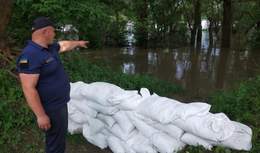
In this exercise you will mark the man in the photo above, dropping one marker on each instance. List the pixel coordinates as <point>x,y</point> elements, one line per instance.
<point>44,82</point>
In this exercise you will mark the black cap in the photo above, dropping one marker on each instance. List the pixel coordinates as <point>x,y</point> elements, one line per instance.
<point>41,22</point>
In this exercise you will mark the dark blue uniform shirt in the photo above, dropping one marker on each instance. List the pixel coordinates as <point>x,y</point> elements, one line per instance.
<point>53,84</point>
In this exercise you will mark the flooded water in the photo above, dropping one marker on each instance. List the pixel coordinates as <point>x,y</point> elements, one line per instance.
<point>200,71</point>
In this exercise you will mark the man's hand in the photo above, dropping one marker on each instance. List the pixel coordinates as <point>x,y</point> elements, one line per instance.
<point>70,45</point>
<point>83,44</point>
<point>44,122</point>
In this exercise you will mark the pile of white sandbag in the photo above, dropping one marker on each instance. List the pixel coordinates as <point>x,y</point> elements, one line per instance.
<point>131,122</point>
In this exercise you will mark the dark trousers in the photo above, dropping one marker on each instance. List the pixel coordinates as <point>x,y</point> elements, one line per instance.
<point>55,137</point>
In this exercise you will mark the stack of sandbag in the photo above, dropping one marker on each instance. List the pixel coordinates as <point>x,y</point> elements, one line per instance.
<point>137,122</point>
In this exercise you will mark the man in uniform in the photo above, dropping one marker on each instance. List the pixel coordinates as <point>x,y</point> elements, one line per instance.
<point>44,82</point>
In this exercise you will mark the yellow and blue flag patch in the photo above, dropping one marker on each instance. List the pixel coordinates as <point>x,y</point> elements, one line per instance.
<point>24,63</point>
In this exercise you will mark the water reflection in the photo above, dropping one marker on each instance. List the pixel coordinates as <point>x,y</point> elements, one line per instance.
<point>129,50</point>
<point>128,68</point>
<point>152,58</point>
<point>200,71</point>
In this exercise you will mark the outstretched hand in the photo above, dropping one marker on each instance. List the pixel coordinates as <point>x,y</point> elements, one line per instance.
<point>83,43</point>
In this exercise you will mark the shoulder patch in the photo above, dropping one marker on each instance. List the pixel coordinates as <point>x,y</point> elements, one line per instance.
<point>24,63</point>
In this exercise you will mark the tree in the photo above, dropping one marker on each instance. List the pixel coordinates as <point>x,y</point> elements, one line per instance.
<point>5,14</point>
<point>226,24</point>
<point>196,29</point>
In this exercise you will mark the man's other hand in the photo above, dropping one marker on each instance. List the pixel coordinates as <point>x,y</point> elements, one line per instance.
<point>44,122</point>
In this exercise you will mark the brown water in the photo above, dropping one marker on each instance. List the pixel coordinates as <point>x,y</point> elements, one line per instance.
<point>200,72</point>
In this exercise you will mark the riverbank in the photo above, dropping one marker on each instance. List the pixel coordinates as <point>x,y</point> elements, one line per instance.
<point>20,134</point>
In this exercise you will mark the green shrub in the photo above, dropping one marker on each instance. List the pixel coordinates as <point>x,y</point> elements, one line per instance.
<point>14,113</point>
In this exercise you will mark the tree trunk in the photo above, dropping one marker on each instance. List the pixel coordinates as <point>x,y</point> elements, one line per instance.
<point>226,24</point>
<point>142,32</point>
<point>222,68</point>
<point>210,34</point>
<point>5,15</point>
<point>196,31</point>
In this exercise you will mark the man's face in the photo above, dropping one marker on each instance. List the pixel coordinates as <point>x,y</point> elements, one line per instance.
<point>50,34</point>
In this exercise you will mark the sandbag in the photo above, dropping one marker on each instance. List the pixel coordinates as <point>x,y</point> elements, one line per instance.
<point>166,144</point>
<point>215,127</point>
<point>145,92</point>
<point>83,107</point>
<point>108,120</point>
<point>74,128</point>
<point>240,138</point>
<point>123,121</point>
<point>193,140</point>
<point>115,145</point>
<point>100,92</point>
<point>130,103</point>
<point>75,90</point>
<point>165,110</point>
<point>170,129</point>
<point>118,98</point>
<point>108,110</point>
<point>143,127</point>
<point>140,144</point>
<point>98,139</point>
<point>94,126</point>
<point>117,131</point>
<point>79,117</point>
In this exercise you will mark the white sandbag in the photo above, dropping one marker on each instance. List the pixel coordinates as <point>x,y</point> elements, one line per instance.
<point>100,92</point>
<point>127,148</point>
<point>74,128</point>
<point>76,115</point>
<point>83,107</point>
<point>170,129</point>
<point>215,127</point>
<point>108,120</point>
<point>119,97</point>
<point>166,144</point>
<point>240,139</point>
<point>123,121</point>
<point>145,92</point>
<point>193,140</point>
<point>94,126</point>
<point>108,110</point>
<point>71,109</point>
<point>130,103</point>
<point>117,131</point>
<point>115,145</point>
<point>79,117</point>
<point>140,144</point>
<point>106,132</point>
<point>165,110</point>
<point>98,139</point>
<point>75,89</point>
<point>143,127</point>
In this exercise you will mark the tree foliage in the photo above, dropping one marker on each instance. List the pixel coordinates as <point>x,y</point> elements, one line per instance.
<point>162,22</point>
<point>95,19</point>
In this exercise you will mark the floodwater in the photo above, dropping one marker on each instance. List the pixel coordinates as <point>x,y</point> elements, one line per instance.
<point>200,72</point>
